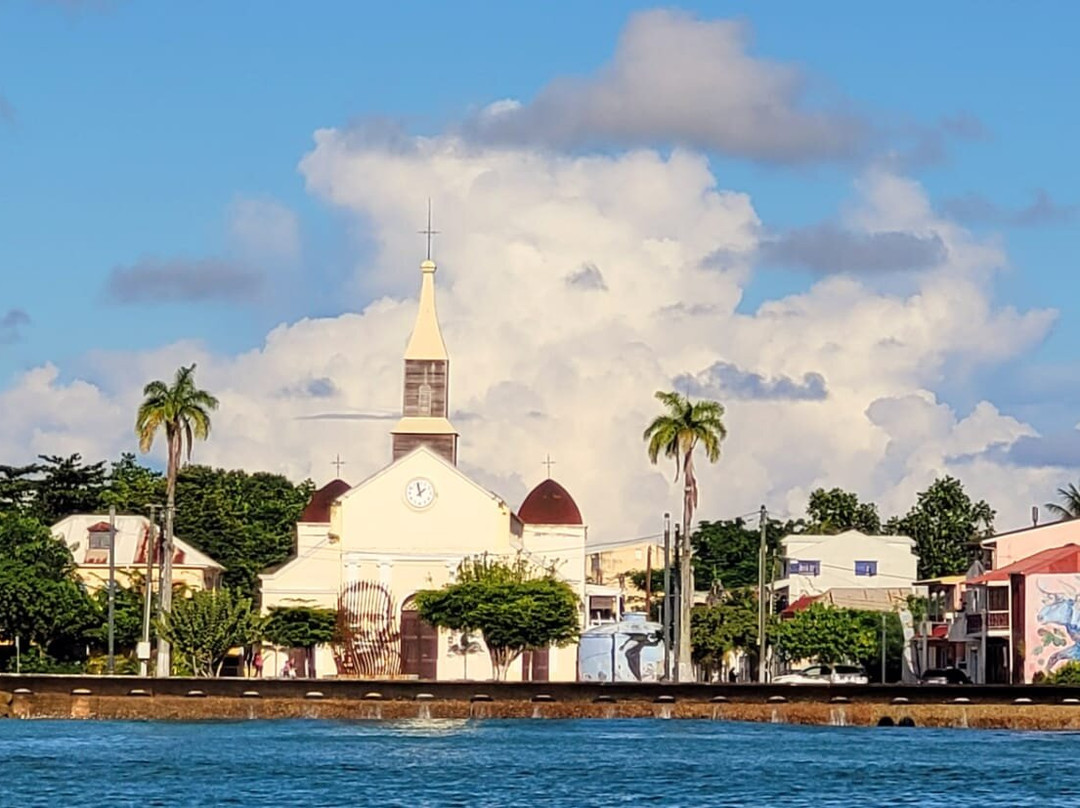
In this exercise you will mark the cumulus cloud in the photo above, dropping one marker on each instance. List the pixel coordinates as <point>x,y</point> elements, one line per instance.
<point>588,277</point>
<point>832,386</point>
<point>828,248</point>
<point>154,280</point>
<point>10,325</point>
<point>723,380</point>
<point>264,230</point>
<point>977,209</point>
<point>677,79</point>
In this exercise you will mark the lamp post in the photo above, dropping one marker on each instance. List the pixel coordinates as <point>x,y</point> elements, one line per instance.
<point>112,590</point>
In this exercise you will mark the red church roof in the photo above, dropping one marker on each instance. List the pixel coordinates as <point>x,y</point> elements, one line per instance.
<point>318,508</point>
<point>549,504</point>
<point>1056,559</point>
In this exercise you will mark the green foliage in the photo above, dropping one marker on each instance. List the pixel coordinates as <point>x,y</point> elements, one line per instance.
<point>244,521</point>
<point>67,486</point>
<point>515,606</point>
<point>836,511</point>
<point>824,634</point>
<point>1067,674</point>
<point>41,601</point>
<point>300,627</point>
<point>132,486</point>
<point>127,617</point>
<point>946,525</point>
<point>202,628</point>
<point>677,432</point>
<point>1068,504</point>
<point>726,626</point>
<point>726,552</point>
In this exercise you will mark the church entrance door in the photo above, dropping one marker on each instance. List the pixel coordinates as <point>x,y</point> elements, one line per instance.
<point>534,665</point>
<point>419,644</point>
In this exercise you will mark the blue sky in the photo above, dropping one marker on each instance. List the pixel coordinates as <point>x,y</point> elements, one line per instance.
<point>134,132</point>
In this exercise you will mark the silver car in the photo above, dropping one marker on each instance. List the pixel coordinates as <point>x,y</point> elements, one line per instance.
<point>825,675</point>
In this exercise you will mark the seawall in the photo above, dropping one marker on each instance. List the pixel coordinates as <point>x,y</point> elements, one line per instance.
<point>128,698</point>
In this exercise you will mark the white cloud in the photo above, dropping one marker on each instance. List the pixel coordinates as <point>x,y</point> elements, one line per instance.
<point>542,365</point>
<point>677,79</point>
<point>262,229</point>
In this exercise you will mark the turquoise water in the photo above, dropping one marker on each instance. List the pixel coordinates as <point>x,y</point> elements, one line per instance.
<point>528,763</point>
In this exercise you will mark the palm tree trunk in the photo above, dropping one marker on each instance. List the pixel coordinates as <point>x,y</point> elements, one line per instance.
<point>164,657</point>
<point>686,573</point>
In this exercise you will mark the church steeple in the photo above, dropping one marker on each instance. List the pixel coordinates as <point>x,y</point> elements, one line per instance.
<point>426,394</point>
<point>426,341</point>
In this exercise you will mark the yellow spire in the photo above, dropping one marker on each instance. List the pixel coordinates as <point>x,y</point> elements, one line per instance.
<point>426,341</point>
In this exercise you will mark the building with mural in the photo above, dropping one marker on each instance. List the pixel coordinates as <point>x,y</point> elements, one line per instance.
<point>366,549</point>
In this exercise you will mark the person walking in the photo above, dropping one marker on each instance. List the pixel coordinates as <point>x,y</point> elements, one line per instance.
<point>257,663</point>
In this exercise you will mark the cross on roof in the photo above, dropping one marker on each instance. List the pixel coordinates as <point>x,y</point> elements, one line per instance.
<point>337,463</point>
<point>549,463</point>
<point>428,231</point>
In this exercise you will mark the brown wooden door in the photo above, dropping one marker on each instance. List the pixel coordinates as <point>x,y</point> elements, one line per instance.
<point>419,645</point>
<point>534,665</point>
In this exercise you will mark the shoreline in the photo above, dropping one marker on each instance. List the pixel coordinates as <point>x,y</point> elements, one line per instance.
<point>210,708</point>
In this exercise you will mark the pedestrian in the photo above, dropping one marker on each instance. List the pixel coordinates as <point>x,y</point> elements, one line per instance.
<point>257,663</point>
<point>287,672</point>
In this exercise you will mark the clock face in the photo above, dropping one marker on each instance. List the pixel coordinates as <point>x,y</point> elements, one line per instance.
<point>419,492</point>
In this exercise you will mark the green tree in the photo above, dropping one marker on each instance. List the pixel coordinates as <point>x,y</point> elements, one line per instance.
<point>301,627</point>
<point>127,617</point>
<point>1068,504</point>
<point>41,601</point>
<point>676,434</point>
<point>132,486</point>
<point>246,522</point>
<point>946,526</point>
<point>515,607</point>
<point>728,625</point>
<point>202,628</point>
<point>836,511</point>
<point>67,485</point>
<point>18,487</point>
<point>824,634</point>
<point>726,552</point>
<point>183,412</point>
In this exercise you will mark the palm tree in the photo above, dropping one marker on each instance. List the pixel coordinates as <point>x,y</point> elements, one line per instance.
<point>183,411</point>
<point>676,434</point>
<point>1070,503</point>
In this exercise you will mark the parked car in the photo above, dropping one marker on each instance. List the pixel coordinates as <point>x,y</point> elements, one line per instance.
<point>944,676</point>
<point>825,675</point>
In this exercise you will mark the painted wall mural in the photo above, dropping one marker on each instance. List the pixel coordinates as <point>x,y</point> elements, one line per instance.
<point>369,636</point>
<point>1051,623</point>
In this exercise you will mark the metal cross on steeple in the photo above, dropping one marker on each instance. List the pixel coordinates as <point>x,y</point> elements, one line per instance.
<point>549,463</point>
<point>337,464</point>
<point>429,232</point>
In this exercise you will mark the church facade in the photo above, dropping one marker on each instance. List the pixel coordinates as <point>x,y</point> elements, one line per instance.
<point>365,550</point>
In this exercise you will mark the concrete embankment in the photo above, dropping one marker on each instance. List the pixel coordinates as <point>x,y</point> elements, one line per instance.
<point>126,698</point>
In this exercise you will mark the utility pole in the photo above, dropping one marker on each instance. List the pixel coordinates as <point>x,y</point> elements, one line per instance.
<point>148,603</point>
<point>648,582</point>
<point>665,612</point>
<point>676,607</point>
<point>883,619</point>
<point>164,657</point>
<point>112,590</point>
<point>763,518</point>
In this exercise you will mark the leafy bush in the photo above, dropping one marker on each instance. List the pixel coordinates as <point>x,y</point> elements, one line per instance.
<point>1067,674</point>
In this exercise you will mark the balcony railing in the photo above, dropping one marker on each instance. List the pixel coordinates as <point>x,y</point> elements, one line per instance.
<point>995,620</point>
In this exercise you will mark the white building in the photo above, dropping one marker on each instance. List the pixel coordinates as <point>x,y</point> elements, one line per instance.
<point>815,564</point>
<point>87,537</point>
<point>365,550</point>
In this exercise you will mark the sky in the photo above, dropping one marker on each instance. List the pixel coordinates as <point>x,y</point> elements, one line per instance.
<point>855,226</point>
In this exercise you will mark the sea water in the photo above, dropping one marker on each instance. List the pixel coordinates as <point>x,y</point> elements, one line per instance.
<point>528,763</point>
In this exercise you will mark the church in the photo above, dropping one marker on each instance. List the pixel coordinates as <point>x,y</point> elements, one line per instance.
<point>366,549</point>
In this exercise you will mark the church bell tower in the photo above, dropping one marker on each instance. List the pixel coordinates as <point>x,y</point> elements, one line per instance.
<point>426,396</point>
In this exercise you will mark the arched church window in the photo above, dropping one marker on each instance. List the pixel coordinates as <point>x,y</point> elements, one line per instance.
<point>423,404</point>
